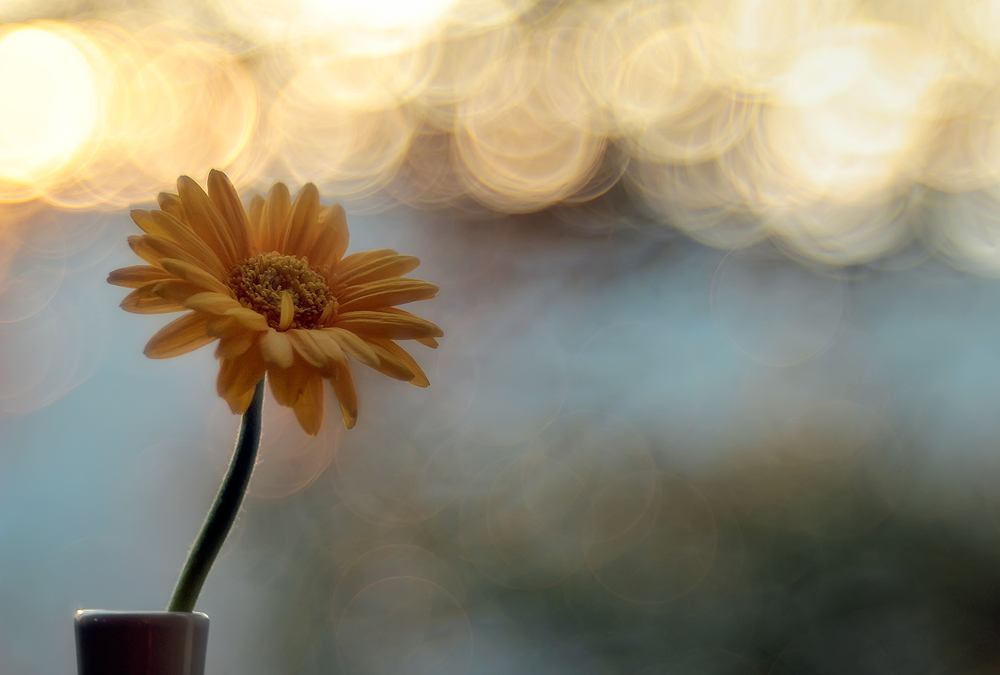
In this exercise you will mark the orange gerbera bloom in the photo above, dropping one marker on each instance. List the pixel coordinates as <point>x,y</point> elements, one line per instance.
<point>274,288</point>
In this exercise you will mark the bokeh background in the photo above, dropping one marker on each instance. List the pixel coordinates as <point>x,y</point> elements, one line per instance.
<point>718,392</point>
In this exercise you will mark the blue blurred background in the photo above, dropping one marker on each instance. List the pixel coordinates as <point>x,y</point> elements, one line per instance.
<point>720,311</point>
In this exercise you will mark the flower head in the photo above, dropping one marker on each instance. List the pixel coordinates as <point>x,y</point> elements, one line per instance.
<point>273,286</point>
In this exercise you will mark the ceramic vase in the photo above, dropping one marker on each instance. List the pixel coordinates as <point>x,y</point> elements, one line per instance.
<point>141,643</point>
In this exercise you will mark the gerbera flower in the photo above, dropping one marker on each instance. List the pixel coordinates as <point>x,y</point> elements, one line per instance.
<point>274,288</point>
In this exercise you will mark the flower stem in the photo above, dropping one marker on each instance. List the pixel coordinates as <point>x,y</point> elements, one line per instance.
<point>223,512</point>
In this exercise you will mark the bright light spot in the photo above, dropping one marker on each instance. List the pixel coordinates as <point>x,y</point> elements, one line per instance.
<point>49,106</point>
<point>381,14</point>
<point>352,28</point>
<point>849,111</point>
<point>823,72</point>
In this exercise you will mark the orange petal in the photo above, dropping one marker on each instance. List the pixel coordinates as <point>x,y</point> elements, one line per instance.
<point>221,326</point>
<point>309,408</point>
<point>162,224</point>
<point>176,290</point>
<point>144,301</point>
<point>328,313</point>
<point>303,221</point>
<point>390,364</point>
<point>250,319</point>
<point>237,375</point>
<point>172,204</point>
<point>428,342</point>
<point>347,396</point>
<point>387,325</point>
<point>180,336</point>
<point>241,402</point>
<point>354,346</point>
<point>234,344</point>
<point>317,349</point>
<point>254,216</point>
<point>194,274</point>
<point>211,303</point>
<point>347,265</point>
<point>144,219</point>
<point>329,247</point>
<point>172,228</point>
<point>329,347</point>
<point>207,222</point>
<point>287,384</point>
<point>287,311</point>
<point>386,293</point>
<point>419,379</point>
<point>136,276</point>
<point>276,349</point>
<point>274,217</point>
<point>227,201</point>
<point>154,248</point>
<point>306,348</point>
<point>379,268</point>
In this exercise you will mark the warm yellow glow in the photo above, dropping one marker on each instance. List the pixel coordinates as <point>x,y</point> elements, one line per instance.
<point>356,151</point>
<point>755,40</point>
<point>49,105</point>
<point>848,110</point>
<point>353,28</point>
<point>979,21</point>
<point>802,120</point>
<point>527,140</point>
<point>380,14</point>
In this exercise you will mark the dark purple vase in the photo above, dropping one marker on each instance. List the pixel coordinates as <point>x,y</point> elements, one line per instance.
<point>141,643</point>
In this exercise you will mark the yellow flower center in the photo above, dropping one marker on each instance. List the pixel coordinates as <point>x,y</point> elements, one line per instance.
<point>260,282</point>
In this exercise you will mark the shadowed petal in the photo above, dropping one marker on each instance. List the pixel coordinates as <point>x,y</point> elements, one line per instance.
<point>329,247</point>
<point>287,384</point>
<point>241,402</point>
<point>212,303</point>
<point>237,375</point>
<point>144,301</point>
<point>180,336</point>
<point>354,346</point>
<point>377,269</point>
<point>176,290</point>
<point>354,260</point>
<point>254,212</point>
<point>207,222</point>
<point>347,396</point>
<point>385,294</point>
<point>318,349</point>
<point>309,408</point>
<point>172,204</point>
<point>274,217</point>
<point>276,349</point>
<point>287,311</point>
<point>227,201</point>
<point>164,225</point>
<point>194,274</point>
<point>419,379</point>
<point>390,364</point>
<point>137,275</point>
<point>234,344</point>
<point>249,318</point>
<point>154,248</point>
<point>303,222</point>
<point>387,325</point>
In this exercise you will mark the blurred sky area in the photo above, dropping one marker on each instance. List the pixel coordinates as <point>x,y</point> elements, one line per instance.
<point>718,392</point>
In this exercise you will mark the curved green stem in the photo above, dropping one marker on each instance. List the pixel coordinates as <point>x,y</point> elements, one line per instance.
<point>223,512</point>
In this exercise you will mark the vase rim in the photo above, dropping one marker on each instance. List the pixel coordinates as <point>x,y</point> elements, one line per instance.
<point>122,612</point>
